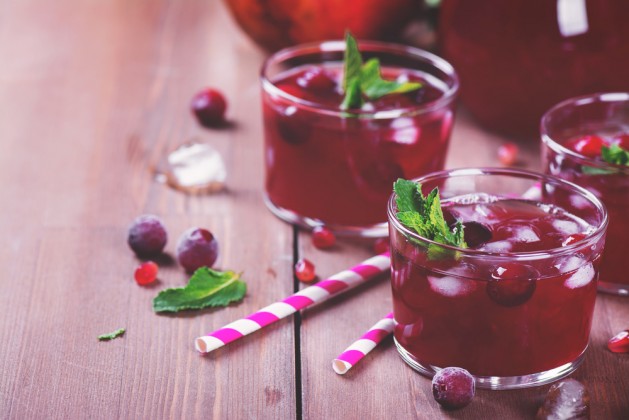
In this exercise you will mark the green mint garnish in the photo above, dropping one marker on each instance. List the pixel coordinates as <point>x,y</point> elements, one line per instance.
<point>206,288</point>
<point>365,80</point>
<point>111,335</point>
<point>615,155</point>
<point>424,215</point>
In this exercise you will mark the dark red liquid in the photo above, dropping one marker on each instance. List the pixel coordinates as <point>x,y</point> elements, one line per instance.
<point>340,170</point>
<point>518,58</point>
<point>497,317</point>
<point>613,190</point>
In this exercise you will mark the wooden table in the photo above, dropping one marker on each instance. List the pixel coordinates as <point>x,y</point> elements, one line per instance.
<point>92,94</point>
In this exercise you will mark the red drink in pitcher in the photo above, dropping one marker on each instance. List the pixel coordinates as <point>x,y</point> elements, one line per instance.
<point>325,165</point>
<point>515,307</point>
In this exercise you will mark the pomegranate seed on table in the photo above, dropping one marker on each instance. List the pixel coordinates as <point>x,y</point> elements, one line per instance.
<point>305,270</point>
<point>146,273</point>
<point>381,245</point>
<point>323,238</point>
<point>508,154</point>
<point>589,146</point>
<point>209,107</point>
<point>619,343</point>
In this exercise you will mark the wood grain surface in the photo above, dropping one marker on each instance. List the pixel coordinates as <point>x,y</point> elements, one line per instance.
<point>92,94</point>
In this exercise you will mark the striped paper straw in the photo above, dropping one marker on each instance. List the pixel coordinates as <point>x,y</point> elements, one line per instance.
<point>337,284</point>
<point>359,349</point>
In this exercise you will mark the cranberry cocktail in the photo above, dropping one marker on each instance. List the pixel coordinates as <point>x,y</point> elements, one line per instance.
<point>586,141</point>
<point>513,303</point>
<point>334,165</point>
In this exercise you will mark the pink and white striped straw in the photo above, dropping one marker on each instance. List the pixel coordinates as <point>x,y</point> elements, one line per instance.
<point>359,349</point>
<point>337,284</point>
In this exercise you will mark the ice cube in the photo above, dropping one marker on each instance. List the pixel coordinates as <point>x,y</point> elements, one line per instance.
<point>451,286</point>
<point>584,275</point>
<point>568,399</point>
<point>404,131</point>
<point>579,202</point>
<point>498,246</point>
<point>566,226</point>
<point>524,234</point>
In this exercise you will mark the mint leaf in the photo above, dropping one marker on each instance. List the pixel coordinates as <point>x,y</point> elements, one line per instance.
<point>591,170</point>
<point>206,288</point>
<point>112,335</point>
<point>366,79</point>
<point>615,155</point>
<point>424,216</point>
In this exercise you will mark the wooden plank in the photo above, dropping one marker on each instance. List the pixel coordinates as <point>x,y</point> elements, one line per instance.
<point>93,94</point>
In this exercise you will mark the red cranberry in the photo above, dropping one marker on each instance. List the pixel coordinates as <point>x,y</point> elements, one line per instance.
<point>453,387</point>
<point>475,234</point>
<point>209,107</point>
<point>316,79</point>
<point>305,271</point>
<point>147,236</point>
<point>508,154</point>
<point>146,273</point>
<point>197,248</point>
<point>381,245</point>
<point>512,284</point>
<point>589,146</point>
<point>323,238</point>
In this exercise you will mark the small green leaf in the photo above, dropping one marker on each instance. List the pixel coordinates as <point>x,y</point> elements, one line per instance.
<point>353,96</point>
<point>591,170</point>
<point>206,288</point>
<point>615,155</point>
<point>352,62</point>
<point>112,335</point>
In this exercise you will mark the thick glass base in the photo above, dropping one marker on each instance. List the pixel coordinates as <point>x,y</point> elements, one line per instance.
<point>613,288</point>
<point>378,230</point>
<point>500,382</point>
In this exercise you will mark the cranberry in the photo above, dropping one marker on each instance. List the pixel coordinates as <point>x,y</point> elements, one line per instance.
<point>508,154</point>
<point>619,343</point>
<point>146,273</point>
<point>197,248</point>
<point>323,238</point>
<point>209,107</point>
<point>316,79</point>
<point>512,284</point>
<point>381,245</point>
<point>453,387</point>
<point>589,146</point>
<point>475,234</point>
<point>305,270</point>
<point>576,237</point>
<point>147,236</point>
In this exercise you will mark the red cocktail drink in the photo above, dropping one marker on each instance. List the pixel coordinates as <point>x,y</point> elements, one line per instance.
<point>328,166</point>
<point>573,135</point>
<point>515,307</point>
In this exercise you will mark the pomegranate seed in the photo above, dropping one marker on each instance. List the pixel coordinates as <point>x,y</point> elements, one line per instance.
<point>146,273</point>
<point>512,284</point>
<point>508,154</point>
<point>209,107</point>
<point>305,270</point>
<point>589,146</point>
<point>381,245</point>
<point>323,238</point>
<point>316,79</point>
<point>619,343</point>
<point>576,237</point>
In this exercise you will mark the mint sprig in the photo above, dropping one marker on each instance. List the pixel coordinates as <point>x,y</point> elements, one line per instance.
<point>365,80</point>
<point>424,215</point>
<point>615,155</point>
<point>206,288</point>
<point>110,336</point>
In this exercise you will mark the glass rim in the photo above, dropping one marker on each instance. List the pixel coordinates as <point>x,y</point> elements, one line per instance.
<point>370,46</point>
<point>557,147</point>
<point>521,173</point>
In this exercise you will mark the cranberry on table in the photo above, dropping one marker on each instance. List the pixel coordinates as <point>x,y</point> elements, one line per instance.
<point>508,154</point>
<point>147,236</point>
<point>197,248</point>
<point>453,387</point>
<point>323,238</point>
<point>146,273</point>
<point>209,107</point>
<point>512,284</point>
<point>305,270</point>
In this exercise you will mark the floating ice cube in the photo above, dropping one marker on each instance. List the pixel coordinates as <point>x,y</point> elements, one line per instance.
<point>404,131</point>
<point>566,226</point>
<point>584,275</point>
<point>571,264</point>
<point>524,234</point>
<point>451,286</point>
<point>579,202</point>
<point>498,246</point>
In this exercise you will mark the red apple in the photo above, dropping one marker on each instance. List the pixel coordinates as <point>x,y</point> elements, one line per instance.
<point>274,24</point>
